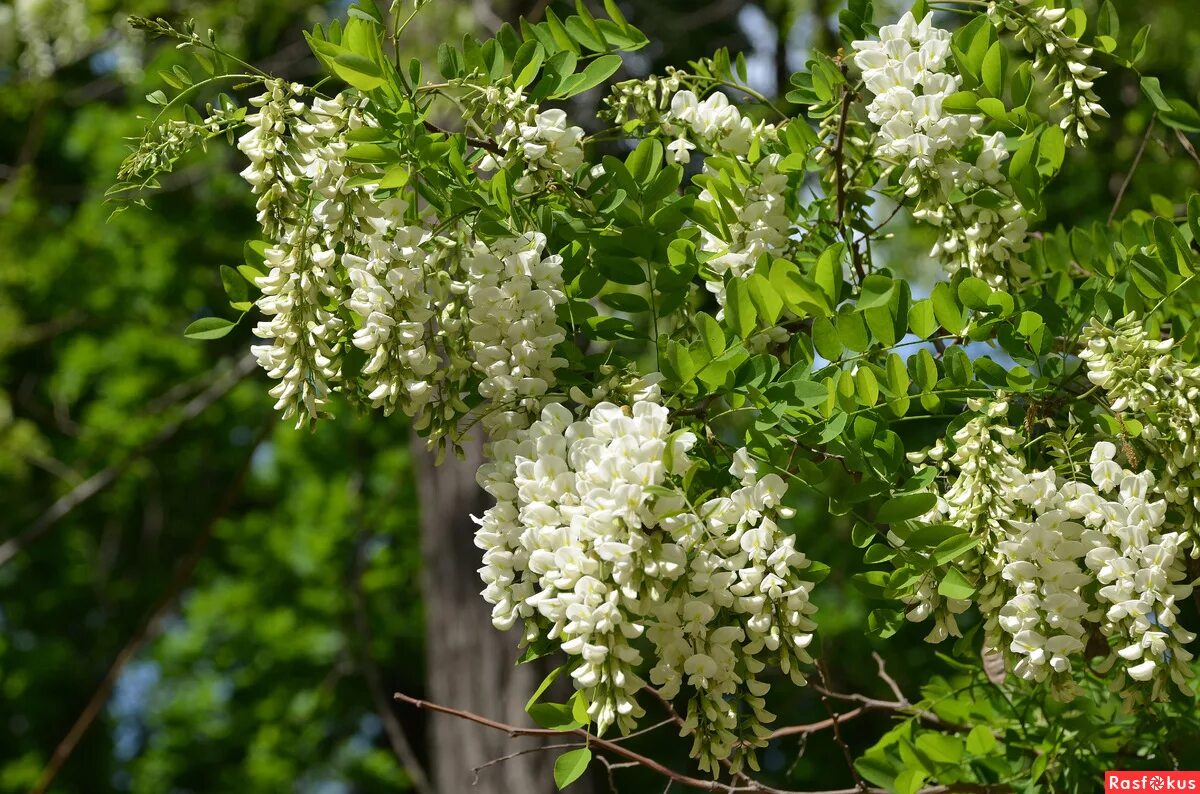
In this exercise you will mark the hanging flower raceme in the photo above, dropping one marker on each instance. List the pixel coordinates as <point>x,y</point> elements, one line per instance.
<point>1071,562</point>
<point>1061,58</point>
<point>593,544</point>
<point>905,71</point>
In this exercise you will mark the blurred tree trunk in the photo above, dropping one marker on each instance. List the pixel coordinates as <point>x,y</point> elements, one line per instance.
<point>470,665</point>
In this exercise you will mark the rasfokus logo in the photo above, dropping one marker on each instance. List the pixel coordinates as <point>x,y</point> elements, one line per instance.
<point>1151,781</point>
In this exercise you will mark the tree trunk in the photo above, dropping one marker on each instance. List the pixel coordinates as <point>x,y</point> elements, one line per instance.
<point>470,665</point>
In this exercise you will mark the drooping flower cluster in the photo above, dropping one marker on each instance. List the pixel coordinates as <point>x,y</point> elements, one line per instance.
<point>905,73</point>
<point>1144,380</point>
<point>1063,60</point>
<point>355,264</point>
<point>511,292</point>
<point>593,544</point>
<point>985,469</point>
<point>644,100</point>
<point>302,291</point>
<point>1069,567</point>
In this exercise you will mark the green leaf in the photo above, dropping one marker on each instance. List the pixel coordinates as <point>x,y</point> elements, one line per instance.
<point>554,716</point>
<point>876,291</point>
<point>961,102</point>
<point>940,747</point>
<point>593,75</point>
<point>209,328</point>
<point>955,585</point>
<point>527,62</point>
<point>995,64</point>
<point>358,71</point>
<point>1052,149</point>
<point>867,386</point>
<point>826,339</point>
<point>570,766</point>
<point>905,507</point>
<point>711,334</point>
<point>1152,88</point>
<point>739,308</point>
<point>981,740</point>
<point>946,309</point>
<point>546,682</point>
<point>921,320</point>
<point>764,297</point>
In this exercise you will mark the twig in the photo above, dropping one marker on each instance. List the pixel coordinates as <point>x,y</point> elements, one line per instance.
<point>837,733</point>
<point>526,751</point>
<point>478,143</point>
<point>106,477</point>
<point>1137,159</point>
<point>1187,145</point>
<point>150,626</point>
<point>887,679</point>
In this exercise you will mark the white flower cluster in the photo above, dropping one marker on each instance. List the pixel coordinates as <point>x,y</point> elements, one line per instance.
<point>593,545</point>
<point>984,469</point>
<point>1061,58</point>
<point>712,124</point>
<point>549,146</point>
<point>512,291</point>
<point>1096,556</point>
<point>394,283</point>
<point>1066,564</point>
<point>905,72</point>
<point>302,292</point>
<point>432,314</point>
<point>1143,379</point>
<point>761,223</point>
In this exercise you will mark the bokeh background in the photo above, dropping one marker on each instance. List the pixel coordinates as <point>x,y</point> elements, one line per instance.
<point>262,591</point>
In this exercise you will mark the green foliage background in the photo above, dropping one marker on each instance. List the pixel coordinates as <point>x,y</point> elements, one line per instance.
<point>258,681</point>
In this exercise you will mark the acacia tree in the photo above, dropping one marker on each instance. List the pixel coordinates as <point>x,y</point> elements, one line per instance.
<point>667,352</point>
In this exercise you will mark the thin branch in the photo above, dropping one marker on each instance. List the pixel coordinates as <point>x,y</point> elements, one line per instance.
<point>151,626</point>
<point>105,477</point>
<point>887,679</point>
<point>672,776</point>
<point>837,734</point>
<point>839,160</point>
<point>526,751</point>
<point>1137,159</point>
<point>478,143</point>
<point>816,727</point>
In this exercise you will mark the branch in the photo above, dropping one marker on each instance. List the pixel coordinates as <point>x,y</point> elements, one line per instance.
<point>478,143</point>
<point>1137,159</point>
<point>150,626</point>
<point>672,776</point>
<point>106,477</point>
<point>837,734</point>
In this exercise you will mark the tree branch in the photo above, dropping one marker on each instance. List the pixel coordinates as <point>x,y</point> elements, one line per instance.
<point>597,743</point>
